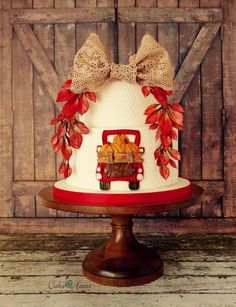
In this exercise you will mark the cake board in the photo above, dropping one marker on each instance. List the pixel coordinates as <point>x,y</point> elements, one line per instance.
<point>122,261</point>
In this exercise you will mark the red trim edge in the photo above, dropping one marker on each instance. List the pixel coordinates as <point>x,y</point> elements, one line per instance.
<point>109,199</point>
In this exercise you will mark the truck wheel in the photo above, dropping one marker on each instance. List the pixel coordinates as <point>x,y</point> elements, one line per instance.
<point>133,185</point>
<point>105,185</point>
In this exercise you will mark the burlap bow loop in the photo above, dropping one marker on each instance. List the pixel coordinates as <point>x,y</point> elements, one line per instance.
<point>123,72</point>
<point>93,67</point>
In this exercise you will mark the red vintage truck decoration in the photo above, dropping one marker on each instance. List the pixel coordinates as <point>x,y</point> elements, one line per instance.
<point>121,159</point>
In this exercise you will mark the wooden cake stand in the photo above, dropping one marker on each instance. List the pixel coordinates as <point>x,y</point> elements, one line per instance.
<point>122,260</point>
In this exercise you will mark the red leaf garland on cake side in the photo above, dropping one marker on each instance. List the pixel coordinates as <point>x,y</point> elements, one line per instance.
<point>164,118</point>
<point>69,130</point>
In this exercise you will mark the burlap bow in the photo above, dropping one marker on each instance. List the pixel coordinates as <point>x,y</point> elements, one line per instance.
<point>93,67</point>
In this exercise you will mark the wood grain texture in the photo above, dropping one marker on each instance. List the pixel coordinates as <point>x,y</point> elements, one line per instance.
<point>43,106</point>
<point>106,31</point>
<point>63,15</point>
<point>102,225</point>
<point>22,94</point>
<point>52,243</point>
<point>79,300</point>
<point>180,15</point>
<point>39,59</point>
<point>212,134</point>
<point>126,34</point>
<point>6,114</point>
<point>135,19</point>
<point>190,138</point>
<point>42,268</point>
<point>229,77</point>
<point>82,33</point>
<point>43,111</point>
<point>141,30</point>
<point>168,37</point>
<point>144,28</point>
<point>199,269</point>
<point>64,56</point>
<point>194,57</point>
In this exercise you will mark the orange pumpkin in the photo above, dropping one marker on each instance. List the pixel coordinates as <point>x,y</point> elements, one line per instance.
<point>110,147</point>
<point>120,139</point>
<point>129,147</point>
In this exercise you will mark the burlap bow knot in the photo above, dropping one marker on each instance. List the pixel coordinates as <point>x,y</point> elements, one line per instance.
<point>93,67</point>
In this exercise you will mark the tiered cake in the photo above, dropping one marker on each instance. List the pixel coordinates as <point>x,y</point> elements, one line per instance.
<point>118,159</point>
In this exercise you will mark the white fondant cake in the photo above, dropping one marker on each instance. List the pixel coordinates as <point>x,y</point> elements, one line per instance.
<point>127,142</point>
<point>119,106</point>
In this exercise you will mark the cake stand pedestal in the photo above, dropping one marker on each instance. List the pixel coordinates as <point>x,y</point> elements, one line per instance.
<point>122,260</point>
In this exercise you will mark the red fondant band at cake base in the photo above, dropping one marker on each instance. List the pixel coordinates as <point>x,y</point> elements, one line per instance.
<point>117,199</point>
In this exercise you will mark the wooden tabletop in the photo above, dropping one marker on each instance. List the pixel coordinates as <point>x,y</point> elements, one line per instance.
<point>51,202</point>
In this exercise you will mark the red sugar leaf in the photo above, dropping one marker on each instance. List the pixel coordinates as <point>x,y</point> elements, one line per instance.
<point>164,171</point>
<point>174,153</point>
<point>164,159</point>
<point>54,139</point>
<point>173,135</point>
<point>152,118</point>
<point>66,84</point>
<point>166,141</point>
<point>54,121</point>
<point>82,128</point>
<point>66,151</point>
<point>153,126</point>
<point>167,127</point>
<point>67,171</point>
<point>62,167</point>
<point>56,147</point>
<point>150,109</point>
<point>157,153</point>
<point>176,117</point>
<point>158,133</point>
<point>75,139</point>
<point>71,107</point>
<point>158,162</point>
<point>177,107</point>
<point>65,95</point>
<point>146,90</point>
<point>172,163</point>
<point>160,95</point>
<point>60,116</point>
<point>61,131</point>
<point>72,120</point>
<point>91,96</point>
<point>83,105</point>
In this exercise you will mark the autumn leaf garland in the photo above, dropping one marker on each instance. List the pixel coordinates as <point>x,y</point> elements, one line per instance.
<point>70,130</point>
<point>164,118</point>
<point>161,116</point>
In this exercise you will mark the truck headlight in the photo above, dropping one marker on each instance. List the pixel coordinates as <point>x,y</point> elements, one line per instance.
<point>139,176</point>
<point>99,176</point>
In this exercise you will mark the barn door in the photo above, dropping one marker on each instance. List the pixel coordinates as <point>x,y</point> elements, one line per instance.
<point>40,39</point>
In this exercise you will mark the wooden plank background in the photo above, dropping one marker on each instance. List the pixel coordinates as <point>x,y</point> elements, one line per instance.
<point>207,142</point>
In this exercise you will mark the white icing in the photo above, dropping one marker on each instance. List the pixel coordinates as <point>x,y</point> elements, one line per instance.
<point>181,183</point>
<point>119,105</point>
<point>84,163</point>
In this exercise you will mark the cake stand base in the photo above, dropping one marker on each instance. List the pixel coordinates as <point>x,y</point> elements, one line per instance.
<point>122,261</point>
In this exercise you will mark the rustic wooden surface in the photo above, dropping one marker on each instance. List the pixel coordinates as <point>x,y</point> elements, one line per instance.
<point>44,38</point>
<point>6,114</point>
<point>212,147</point>
<point>229,74</point>
<point>45,270</point>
